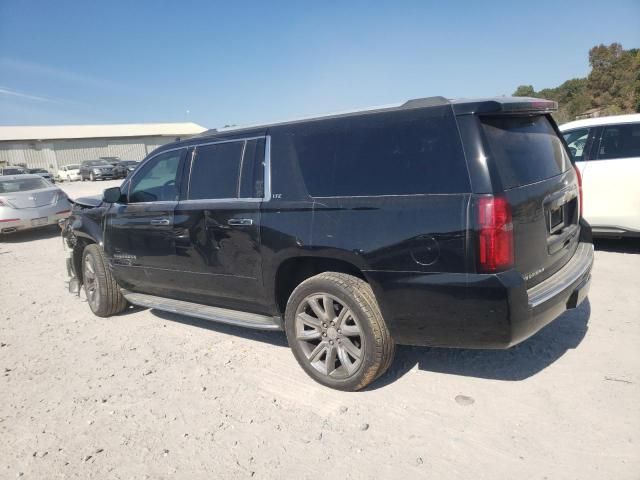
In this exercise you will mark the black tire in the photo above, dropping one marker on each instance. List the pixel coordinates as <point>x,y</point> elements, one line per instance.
<point>92,177</point>
<point>374,344</point>
<point>102,291</point>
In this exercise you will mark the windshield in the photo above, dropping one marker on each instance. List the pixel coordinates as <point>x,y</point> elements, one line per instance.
<point>524,150</point>
<point>38,170</point>
<point>22,185</point>
<point>73,167</point>
<point>98,163</point>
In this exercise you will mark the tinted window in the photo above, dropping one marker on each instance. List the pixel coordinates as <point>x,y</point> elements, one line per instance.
<point>157,180</point>
<point>12,171</point>
<point>398,153</point>
<point>577,141</point>
<point>252,177</point>
<point>524,150</point>
<point>620,141</point>
<point>215,171</point>
<point>9,186</point>
<point>96,163</point>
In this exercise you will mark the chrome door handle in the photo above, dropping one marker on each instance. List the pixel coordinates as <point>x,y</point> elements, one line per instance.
<point>240,222</point>
<point>160,221</point>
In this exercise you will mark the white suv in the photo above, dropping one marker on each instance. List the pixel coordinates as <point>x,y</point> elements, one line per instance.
<point>607,153</point>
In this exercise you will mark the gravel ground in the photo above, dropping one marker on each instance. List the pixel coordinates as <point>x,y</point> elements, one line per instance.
<point>152,395</point>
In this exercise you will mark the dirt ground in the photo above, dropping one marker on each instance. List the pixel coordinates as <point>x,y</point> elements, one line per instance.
<point>153,395</point>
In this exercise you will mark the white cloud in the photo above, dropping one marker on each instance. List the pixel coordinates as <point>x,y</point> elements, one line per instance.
<point>46,72</point>
<point>4,91</point>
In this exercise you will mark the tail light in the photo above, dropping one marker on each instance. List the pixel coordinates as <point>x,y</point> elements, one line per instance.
<point>495,234</point>
<point>5,203</point>
<point>579,175</point>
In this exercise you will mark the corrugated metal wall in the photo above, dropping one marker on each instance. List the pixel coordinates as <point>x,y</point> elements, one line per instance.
<point>54,154</point>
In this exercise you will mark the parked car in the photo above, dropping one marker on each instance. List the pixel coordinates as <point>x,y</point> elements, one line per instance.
<point>69,172</point>
<point>29,201</point>
<point>436,222</point>
<point>95,170</point>
<point>124,168</point>
<point>43,173</point>
<point>13,170</point>
<point>607,152</point>
<point>113,161</point>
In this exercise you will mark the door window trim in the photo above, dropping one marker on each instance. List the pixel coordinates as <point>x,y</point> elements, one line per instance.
<point>267,171</point>
<point>189,149</point>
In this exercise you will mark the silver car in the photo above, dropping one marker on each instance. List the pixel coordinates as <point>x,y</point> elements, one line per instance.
<point>29,201</point>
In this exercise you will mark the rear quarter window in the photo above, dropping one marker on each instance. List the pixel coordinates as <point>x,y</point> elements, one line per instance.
<point>525,149</point>
<point>395,153</point>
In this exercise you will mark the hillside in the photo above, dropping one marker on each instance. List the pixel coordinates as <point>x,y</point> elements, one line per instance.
<point>613,85</point>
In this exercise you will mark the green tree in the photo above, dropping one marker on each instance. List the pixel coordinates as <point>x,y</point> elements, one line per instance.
<point>613,85</point>
<point>524,91</point>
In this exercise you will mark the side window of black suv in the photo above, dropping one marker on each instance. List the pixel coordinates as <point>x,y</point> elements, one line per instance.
<point>157,180</point>
<point>383,154</point>
<point>228,170</point>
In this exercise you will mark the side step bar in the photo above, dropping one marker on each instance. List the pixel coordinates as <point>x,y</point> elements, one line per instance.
<point>215,314</point>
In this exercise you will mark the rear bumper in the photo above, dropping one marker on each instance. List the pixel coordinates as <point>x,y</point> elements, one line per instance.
<point>29,218</point>
<point>549,299</point>
<point>478,311</point>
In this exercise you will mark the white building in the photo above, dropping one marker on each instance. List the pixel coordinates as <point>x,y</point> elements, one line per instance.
<point>55,146</point>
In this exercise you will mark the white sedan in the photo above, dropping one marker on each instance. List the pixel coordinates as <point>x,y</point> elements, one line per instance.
<point>69,172</point>
<point>607,153</point>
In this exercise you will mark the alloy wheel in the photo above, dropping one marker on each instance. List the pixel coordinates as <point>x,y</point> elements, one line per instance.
<point>91,282</point>
<point>330,335</point>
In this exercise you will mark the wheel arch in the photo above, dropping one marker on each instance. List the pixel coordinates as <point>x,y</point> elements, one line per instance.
<point>85,232</point>
<point>293,270</point>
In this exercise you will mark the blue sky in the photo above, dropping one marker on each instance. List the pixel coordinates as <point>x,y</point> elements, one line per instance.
<point>239,62</point>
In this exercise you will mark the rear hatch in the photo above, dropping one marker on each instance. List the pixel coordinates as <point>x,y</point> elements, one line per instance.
<point>535,174</point>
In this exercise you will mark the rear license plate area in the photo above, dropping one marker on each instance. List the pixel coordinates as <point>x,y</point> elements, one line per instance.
<point>556,219</point>
<point>37,222</point>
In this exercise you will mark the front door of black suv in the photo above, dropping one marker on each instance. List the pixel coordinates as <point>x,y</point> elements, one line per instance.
<point>140,238</point>
<point>218,224</point>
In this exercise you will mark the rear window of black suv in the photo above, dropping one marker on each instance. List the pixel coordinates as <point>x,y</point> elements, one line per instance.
<point>405,153</point>
<point>524,149</point>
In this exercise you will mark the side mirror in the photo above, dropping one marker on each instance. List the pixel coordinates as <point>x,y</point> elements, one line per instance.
<point>111,195</point>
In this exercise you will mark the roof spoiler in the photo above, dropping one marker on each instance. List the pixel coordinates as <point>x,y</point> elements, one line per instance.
<point>505,106</point>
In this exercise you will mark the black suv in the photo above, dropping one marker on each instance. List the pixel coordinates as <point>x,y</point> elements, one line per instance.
<point>95,170</point>
<point>124,168</point>
<point>436,222</point>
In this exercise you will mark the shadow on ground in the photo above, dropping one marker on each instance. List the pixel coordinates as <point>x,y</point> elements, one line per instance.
<point>620,245</point>
<point>42,233</point>
<point>517,363</point>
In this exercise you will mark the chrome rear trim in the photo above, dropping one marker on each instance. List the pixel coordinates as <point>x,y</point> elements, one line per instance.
<point>579,264</point>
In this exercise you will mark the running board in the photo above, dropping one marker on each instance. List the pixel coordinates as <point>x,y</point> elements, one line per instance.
<point>215,314</point>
